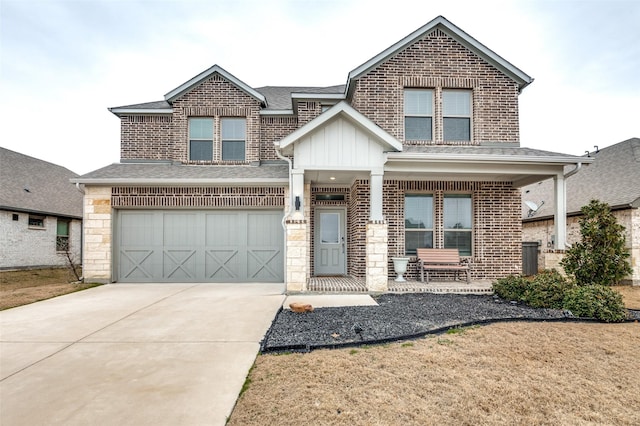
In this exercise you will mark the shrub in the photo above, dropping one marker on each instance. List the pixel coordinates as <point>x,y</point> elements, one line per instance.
<point>600,257</point>
<point>547,290</point>
<point>595,301</point>
<point>512,287</point>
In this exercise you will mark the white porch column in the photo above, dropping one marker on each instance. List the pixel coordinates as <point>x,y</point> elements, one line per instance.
<point>375,190</point>
<point>298,191</point>
<point>560,216</point>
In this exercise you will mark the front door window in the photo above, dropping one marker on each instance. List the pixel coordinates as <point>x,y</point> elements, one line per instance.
<point>330,244</point>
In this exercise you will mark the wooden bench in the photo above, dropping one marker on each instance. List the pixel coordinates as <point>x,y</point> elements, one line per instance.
<point>430,259</point>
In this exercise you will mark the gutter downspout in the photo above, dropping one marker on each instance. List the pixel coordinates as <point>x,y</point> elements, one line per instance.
<point>574,171</point>
<point>81,189</point>
<point>288,160</point>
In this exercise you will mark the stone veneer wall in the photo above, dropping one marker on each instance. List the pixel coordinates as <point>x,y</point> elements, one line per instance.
<point>96,264</point>
<point>377,256</point>
<point>439,62</point>
<point>548,258</point>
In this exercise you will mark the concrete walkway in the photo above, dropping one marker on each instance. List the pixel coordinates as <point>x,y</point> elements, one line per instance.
<point>132,354</point>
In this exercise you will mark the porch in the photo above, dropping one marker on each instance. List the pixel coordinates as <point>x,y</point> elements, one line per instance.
<point>358,285</point>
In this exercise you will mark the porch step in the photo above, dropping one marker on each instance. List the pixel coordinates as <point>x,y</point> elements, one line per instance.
<point>357,285</point>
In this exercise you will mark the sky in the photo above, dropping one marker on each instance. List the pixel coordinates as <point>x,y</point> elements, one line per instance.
<point>64,62</point>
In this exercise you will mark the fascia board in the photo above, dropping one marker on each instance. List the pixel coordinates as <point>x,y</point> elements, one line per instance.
<point>318,96</point>
<point>38,212</point>
<point>276,112</point>
<point>458,34</point>
<point>141,111</point>
<point>470,158</point>
<point>179,182</point>
<point>348,111</point>
<point>180,90</point>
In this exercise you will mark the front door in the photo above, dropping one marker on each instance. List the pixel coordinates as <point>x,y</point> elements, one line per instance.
<point>330,242</point>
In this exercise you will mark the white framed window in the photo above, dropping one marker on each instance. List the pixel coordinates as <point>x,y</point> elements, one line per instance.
<point>234,135</point>
<point>418,222</point>
<point>201,139</point>
<point>418,114</point>
<point>36,222</point>
<point>456,115</point>
<point>458,222</point>
<point>62,234</point>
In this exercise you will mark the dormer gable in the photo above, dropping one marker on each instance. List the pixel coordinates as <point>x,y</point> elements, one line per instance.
<point>207,74</point>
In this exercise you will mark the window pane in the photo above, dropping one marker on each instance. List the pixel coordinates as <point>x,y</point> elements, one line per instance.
<point>456,102</point>
<point>233,150</point>
<point>457,211</point>
<point>417,239</point>
<point>329,228</point>
<point>201,128</point>
<point>63,227</point>
<point>418,211</point>
<point>457,129</point>
<point>201,150</point>
<point>417,128</point>
<point>460,240</point>
<point>418,102</point>
<point>36,221</point>
<point>234,128</point>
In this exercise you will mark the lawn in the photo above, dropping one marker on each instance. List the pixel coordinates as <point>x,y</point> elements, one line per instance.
<point>506,373</point>
<point>23,287</point>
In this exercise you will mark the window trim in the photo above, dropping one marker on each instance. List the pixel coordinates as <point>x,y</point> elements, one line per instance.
<point>36,217</point>
<point>191,139</point>
<point>471,217</point>
<point>433,219</point>
<point>416,115</point>
<point>223,140</point>
<point>469,117</point>
<point>60,237</point>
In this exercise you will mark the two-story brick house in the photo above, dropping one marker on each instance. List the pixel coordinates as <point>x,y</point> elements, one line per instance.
<point>222,182</point>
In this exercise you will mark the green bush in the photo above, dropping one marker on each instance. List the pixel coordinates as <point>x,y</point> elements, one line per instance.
<point>595,301</point>
<point>601,256</point>
<point>547,290</point>
<point>512,287</point>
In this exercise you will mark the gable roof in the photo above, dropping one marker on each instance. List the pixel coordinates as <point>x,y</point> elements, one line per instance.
<point>216,69</point>
<point>613,178</point>
<point>457,34</point>
<point>345,110</point>
<point>31,185</point>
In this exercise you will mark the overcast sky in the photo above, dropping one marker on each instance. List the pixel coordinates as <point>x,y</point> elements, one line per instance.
<point>64,62</point>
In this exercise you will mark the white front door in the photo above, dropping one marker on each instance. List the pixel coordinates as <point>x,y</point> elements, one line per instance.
<point>330,242</point>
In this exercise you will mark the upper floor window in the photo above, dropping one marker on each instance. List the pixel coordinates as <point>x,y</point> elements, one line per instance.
<point>201,139</point>
<point>458,222</point>
<point>418,222</point>
<point>456,115</point>
<point>234,131</point>
<point>418,114</point>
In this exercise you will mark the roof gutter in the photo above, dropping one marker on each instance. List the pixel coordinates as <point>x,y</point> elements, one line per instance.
<point>574,171</point>
<point>177,182</point>
<point>405,156</point>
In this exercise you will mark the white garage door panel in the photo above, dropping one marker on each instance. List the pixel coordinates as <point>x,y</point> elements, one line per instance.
<point>199,246</point>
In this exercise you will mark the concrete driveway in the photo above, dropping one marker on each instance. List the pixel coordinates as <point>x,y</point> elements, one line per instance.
<point>132,354</point>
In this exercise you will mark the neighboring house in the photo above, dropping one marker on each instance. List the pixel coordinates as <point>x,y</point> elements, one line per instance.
<point>614,178</point>
<point>40,213</point>
<point>420,148</point>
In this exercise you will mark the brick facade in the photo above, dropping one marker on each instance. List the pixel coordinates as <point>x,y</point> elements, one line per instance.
<point>379,94</point>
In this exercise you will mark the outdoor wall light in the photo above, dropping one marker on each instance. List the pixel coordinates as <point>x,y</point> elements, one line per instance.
<point>297,203</point>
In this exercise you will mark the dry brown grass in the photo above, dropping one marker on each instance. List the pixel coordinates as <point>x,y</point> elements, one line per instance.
<point>23,287</point>
<point>508,373</point>
<point>630,296</point>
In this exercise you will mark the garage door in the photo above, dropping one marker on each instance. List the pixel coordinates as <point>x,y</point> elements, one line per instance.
<point>199,246</point>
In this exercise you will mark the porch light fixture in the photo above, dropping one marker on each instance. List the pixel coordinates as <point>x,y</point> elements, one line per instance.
<point>297,203</point>
<point>332,178</point>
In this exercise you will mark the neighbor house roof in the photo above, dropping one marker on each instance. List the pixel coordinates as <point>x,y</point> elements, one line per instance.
<point>36,186</point>
<point>169,173</point>
<point>613,177</point>
<point>457,34</point>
